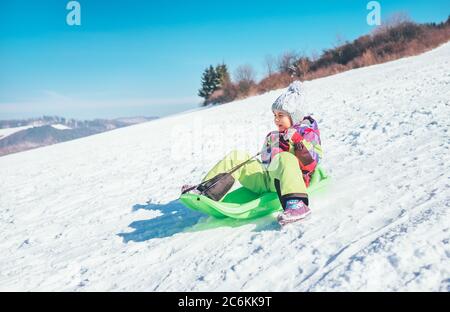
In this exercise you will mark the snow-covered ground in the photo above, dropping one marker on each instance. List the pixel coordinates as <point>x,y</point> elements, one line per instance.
<point>8,131</point>
<point>60,127</point>
<point>101,213</point>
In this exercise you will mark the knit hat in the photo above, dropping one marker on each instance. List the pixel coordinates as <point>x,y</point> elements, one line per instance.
<point>292,102</point>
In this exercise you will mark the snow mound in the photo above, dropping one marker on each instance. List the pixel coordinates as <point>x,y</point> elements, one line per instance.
<point>60,127</point>
<point>8,131</point>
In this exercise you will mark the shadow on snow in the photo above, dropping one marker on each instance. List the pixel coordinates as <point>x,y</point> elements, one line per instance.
<point>176,218</point>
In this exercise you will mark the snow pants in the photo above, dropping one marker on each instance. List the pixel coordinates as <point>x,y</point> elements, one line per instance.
<point>283,175</point>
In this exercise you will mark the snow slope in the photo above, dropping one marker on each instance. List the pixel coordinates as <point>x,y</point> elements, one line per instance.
<point>101,213</point>
<point>60,127</point>
<point>8,131</point>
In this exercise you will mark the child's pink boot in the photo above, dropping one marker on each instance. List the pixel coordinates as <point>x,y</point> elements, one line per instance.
<point>295,210</point>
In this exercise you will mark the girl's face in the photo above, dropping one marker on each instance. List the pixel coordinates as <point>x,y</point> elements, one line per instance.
<point>282,120</point>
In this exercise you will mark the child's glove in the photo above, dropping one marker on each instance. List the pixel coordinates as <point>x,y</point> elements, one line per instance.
<point>283,144</point>
<point>274,144</point>
<point>293,135</point>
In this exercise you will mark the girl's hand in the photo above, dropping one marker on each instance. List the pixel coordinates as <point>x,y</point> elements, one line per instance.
<point>293,135</point>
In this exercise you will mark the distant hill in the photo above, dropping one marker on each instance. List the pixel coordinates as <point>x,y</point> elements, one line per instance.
<point>21,135</point>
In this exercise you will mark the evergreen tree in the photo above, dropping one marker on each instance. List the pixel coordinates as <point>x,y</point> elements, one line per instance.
<point>210,83</point>
<point>223,75</point>
<point>213,79</point>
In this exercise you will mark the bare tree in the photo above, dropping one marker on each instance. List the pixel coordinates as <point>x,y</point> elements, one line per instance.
<point>269,64</point>
<point>244,73</point>
<point>245,80</point>
<point>286,61</point>
<point>339,40</point>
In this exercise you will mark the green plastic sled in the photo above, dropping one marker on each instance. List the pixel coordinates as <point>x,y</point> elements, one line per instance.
<point>242,203</point>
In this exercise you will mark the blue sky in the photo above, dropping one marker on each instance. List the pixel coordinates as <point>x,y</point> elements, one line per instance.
<point>130,58</point>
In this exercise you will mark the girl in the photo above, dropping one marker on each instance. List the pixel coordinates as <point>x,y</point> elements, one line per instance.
<point>288,158</point>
